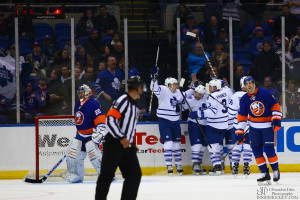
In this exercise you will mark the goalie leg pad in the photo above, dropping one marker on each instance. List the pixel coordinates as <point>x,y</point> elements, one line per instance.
<point>94,155</point>
<point>75,162</point>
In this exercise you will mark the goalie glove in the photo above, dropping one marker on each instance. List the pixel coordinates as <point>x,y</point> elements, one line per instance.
<point>276,122</point>
<point>98,133</point>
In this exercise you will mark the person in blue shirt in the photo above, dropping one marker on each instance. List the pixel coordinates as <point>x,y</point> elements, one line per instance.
<point>257,41</point>
<point>190,26</point>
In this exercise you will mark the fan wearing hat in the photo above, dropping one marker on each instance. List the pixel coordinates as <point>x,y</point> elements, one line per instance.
<point>37,57</point>
<point>190,26</point>
<point>48,47</point>
<point>256,42</point>
<point>93,45</point>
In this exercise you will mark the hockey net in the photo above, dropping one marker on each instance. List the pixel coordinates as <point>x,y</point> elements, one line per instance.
<point>52,137</point>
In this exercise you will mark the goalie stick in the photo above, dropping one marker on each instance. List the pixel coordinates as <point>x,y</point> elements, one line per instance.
<point>204,135</point>
<point>28,180</point>
<point>157,55</point>
<point>230,150</point>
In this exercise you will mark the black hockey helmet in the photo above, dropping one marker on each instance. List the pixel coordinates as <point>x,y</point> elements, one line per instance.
<point>134,82</point>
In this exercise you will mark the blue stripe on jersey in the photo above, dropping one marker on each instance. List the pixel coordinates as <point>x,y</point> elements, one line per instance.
<point>217,117</point>
<point>259,122</point>
<point>212,111</point>
<point>216,122</point>
<point>165,109</point>
<point>166,114</point>
<point>232,109</point>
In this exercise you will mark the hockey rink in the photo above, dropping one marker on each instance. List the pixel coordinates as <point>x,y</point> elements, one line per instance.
<point>186,187</point>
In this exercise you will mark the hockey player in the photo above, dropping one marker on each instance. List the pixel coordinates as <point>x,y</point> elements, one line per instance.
<point>90,125</point>
<point>217,118</point>
<point>169,100</point>
<point>198,145</point>
<point>234,106</point>
<point>264,119</point>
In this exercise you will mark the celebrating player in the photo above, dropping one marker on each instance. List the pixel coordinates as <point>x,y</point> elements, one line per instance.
<point>234,106</point>
<point>198,145</point>
<point>217,124</point>
<point>264,119</point>
<point>90,124</point>
<point>169,100</point>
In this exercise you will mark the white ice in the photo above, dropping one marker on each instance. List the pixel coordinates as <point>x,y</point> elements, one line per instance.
<point>186,187</point>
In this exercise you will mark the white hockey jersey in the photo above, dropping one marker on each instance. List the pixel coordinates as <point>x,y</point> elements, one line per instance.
<point>229,94</point>
<point>234,106</point>
<point>216,113</point>
<point>196,105</point>
<point>167,101</point>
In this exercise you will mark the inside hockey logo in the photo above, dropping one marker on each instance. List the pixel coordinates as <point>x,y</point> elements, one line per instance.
<point>257,108</point>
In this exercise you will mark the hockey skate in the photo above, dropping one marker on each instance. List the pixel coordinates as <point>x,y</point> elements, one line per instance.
<point>202,171</point>
<point>223,166</point>
<point>179,170</point>
<point>265,178</point>
<point>216,170</point>
<point>276,175</point>
<point>196,168</point>
<point>235,169</point>
<point>246,169</point>
<point>170,169</point>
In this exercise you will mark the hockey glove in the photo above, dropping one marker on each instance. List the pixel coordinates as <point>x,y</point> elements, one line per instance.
<point>240,136</point>
<point>276,122</point>
<point>154,72</point>
<point>98,133</point>
<point>194,115</point>
<point>178,108</point>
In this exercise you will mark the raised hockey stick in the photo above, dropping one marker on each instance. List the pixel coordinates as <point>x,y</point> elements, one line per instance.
<point>187,103</point>
<point>152,91</point>
<point>230,150</point>
<point>28,180</point>
<point>206,57</point>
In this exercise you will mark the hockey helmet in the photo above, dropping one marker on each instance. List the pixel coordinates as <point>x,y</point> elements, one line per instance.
<point>87,92</point>
<point>200,89</point>
<point>134,82</point>
<point>170,80</point>
<point>242,84</point>
<point>249,78</point>
<point>215,83</point>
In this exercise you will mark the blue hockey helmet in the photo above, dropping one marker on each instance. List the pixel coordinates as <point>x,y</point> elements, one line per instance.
<point>249,78</point>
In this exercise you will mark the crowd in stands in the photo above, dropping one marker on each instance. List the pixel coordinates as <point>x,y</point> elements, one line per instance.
<point>99,57</point>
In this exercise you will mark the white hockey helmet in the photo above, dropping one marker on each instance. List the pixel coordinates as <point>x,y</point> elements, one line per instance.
<point>200,89</point>
<point>242,84</point>
<point>170,80</point>
<point>215,83</point>
<point>87,91</point>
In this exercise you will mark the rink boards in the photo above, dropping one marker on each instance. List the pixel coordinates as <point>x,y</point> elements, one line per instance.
<point>18,149</point>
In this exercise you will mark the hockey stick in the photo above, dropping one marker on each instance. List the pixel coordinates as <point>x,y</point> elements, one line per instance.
<point>206,57</point>
<point>226,107</point>
<point>157,54</point>
<point>28,180</point>
<point>230,150</point>
<point>187,103</point>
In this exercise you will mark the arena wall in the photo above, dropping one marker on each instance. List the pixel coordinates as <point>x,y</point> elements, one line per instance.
<point>17,149</point>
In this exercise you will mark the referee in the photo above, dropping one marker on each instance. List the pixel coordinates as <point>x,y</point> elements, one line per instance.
<point>119,149</point>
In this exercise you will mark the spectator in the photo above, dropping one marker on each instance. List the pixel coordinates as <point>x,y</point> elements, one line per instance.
<point>231,9</point>
<point>288,58</point>
<point>101,67</point>
<point>190,26</point>
<point>82,57</point>
<point>239,73</point>
<point>196,61</point>
<point>265,64</point>
<point>212,8</point>
<point>294,43</point>
<point>4,29</point>
<point>48,48</point>
<point>38,58</point>
<point>65,72</point>
<point>291,23</point>
<point>211,30</point>
<point>115,38</point>
<point>103,55</point>
<point>86,23</point>
<point>291,100</point>
<point>254,9</point>
<point>221,58</point>
<point>108,83</point>
<point>118,50</point>
<point>94,44</point>
<point>89,74</point>
<point>257,41</point>
<point>221,39</point>
<point>209,74</point>
<point>68,44</point>
<point>57,95</point>
<point>105,22</point>
<point>268,85</point>
<point>181,12</point>
<point>294,6</point>
<point>61,58</point>
<point>24,20</point>
<point>132,71</point>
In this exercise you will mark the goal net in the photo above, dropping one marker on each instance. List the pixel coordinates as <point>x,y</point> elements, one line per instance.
<point>52,137</point>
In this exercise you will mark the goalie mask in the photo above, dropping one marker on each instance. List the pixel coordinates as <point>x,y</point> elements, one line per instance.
<point>173,82</point>
<point>84,92</point>
<point>199,92</point>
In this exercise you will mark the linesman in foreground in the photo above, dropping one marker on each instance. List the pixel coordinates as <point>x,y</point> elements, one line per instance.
<point>119,149</point>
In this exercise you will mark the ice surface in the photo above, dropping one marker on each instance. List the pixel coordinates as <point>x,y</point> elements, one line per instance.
<point>186,187</point>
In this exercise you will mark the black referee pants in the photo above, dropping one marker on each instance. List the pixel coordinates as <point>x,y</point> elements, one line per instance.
<point>115,155</point>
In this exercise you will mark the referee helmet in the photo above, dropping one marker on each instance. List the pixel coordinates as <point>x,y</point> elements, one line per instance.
<point>134,82</point>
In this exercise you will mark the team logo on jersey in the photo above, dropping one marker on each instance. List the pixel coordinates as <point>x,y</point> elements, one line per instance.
<point>174,102</point>
<point>257,108</point>
<point>6,76</point>
<point>116,84</point>
<point>79,117</point>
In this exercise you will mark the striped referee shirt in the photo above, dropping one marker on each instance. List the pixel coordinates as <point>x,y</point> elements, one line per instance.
<point>122,118</point>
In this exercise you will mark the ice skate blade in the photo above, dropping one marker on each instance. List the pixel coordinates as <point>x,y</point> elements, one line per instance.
<point>180,173</point>
<point>170,174</point>
<point>203,173</point>
<point>196,173</point>
<point>262,183</point>
<point>217,173</point>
